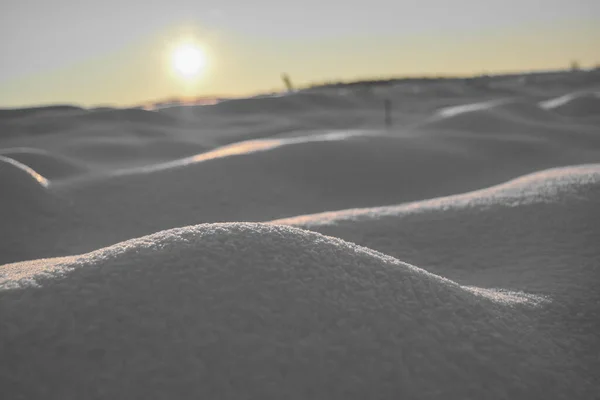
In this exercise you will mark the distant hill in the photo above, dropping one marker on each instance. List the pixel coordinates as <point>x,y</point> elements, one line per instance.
<point>579,78</point>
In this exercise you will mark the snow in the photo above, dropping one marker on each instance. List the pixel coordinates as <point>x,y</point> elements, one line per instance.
<point>580,105</point>
<point>558,101</point>
<point>181,252</point>
<point>13,171</point>
<point>466,108</point>
<point>252,310</point>
<point>42,162</point>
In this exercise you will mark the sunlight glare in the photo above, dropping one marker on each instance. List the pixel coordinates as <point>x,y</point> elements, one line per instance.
<point>188,60</point>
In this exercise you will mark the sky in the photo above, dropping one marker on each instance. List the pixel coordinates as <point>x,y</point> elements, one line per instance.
<point>119,52</point>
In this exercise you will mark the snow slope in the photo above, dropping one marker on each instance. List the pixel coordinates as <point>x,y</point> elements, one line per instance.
<point>132,182</point>
<point>548,209</point>
<point>536,234</point>
<point>51,166</point>
<point>580,106</point>
<point>499,299</point>
<point>260,311</point>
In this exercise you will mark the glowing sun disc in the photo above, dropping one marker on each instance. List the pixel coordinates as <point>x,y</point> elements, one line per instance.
<point>188,60</point>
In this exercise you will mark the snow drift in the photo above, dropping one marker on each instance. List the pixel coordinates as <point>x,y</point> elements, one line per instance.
<point>536,234</point>
<point>35,220</point>
<point>502,117</point>
<point>51,166</point>
<point>579,104</point>
<point>260,311</point>
<point>542,223</point>
<point>27,210</point>
<point>22,181</point>
<point>116,152</point>
<point>504,303</point>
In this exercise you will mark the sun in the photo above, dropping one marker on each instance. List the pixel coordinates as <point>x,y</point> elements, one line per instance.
<point>188,60</point>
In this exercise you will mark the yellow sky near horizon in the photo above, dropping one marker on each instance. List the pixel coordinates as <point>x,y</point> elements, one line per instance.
<point>238,65</point>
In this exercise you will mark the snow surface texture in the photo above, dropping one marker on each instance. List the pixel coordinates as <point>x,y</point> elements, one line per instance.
<point>265,179</point>
<point>537,234</point>
<point>258,311</point>
<point>500,300</point>
<point>44,163</point>
<point>31,214</point>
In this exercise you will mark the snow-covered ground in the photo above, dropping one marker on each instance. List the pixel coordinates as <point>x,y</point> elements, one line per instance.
<point>182,253</point>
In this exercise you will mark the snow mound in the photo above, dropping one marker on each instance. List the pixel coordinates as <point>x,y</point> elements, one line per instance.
<point>555,185</point>
<point>535,233</point>
<point>584,105</point>
<point>58,121</point>
<point>28,210</point>
<point>129,151</point>
<point>491,119</point>
<point>13,113</point>
<point>134,115</point>
<point>259,311</point>
<point>52,166</point>
<point>468,108</point>
<point>513,120</point>
<point>263,180</point>
<point>526,110</point>
<point>282,103</point>
<point>270,179</point>
<point>23,180</point>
